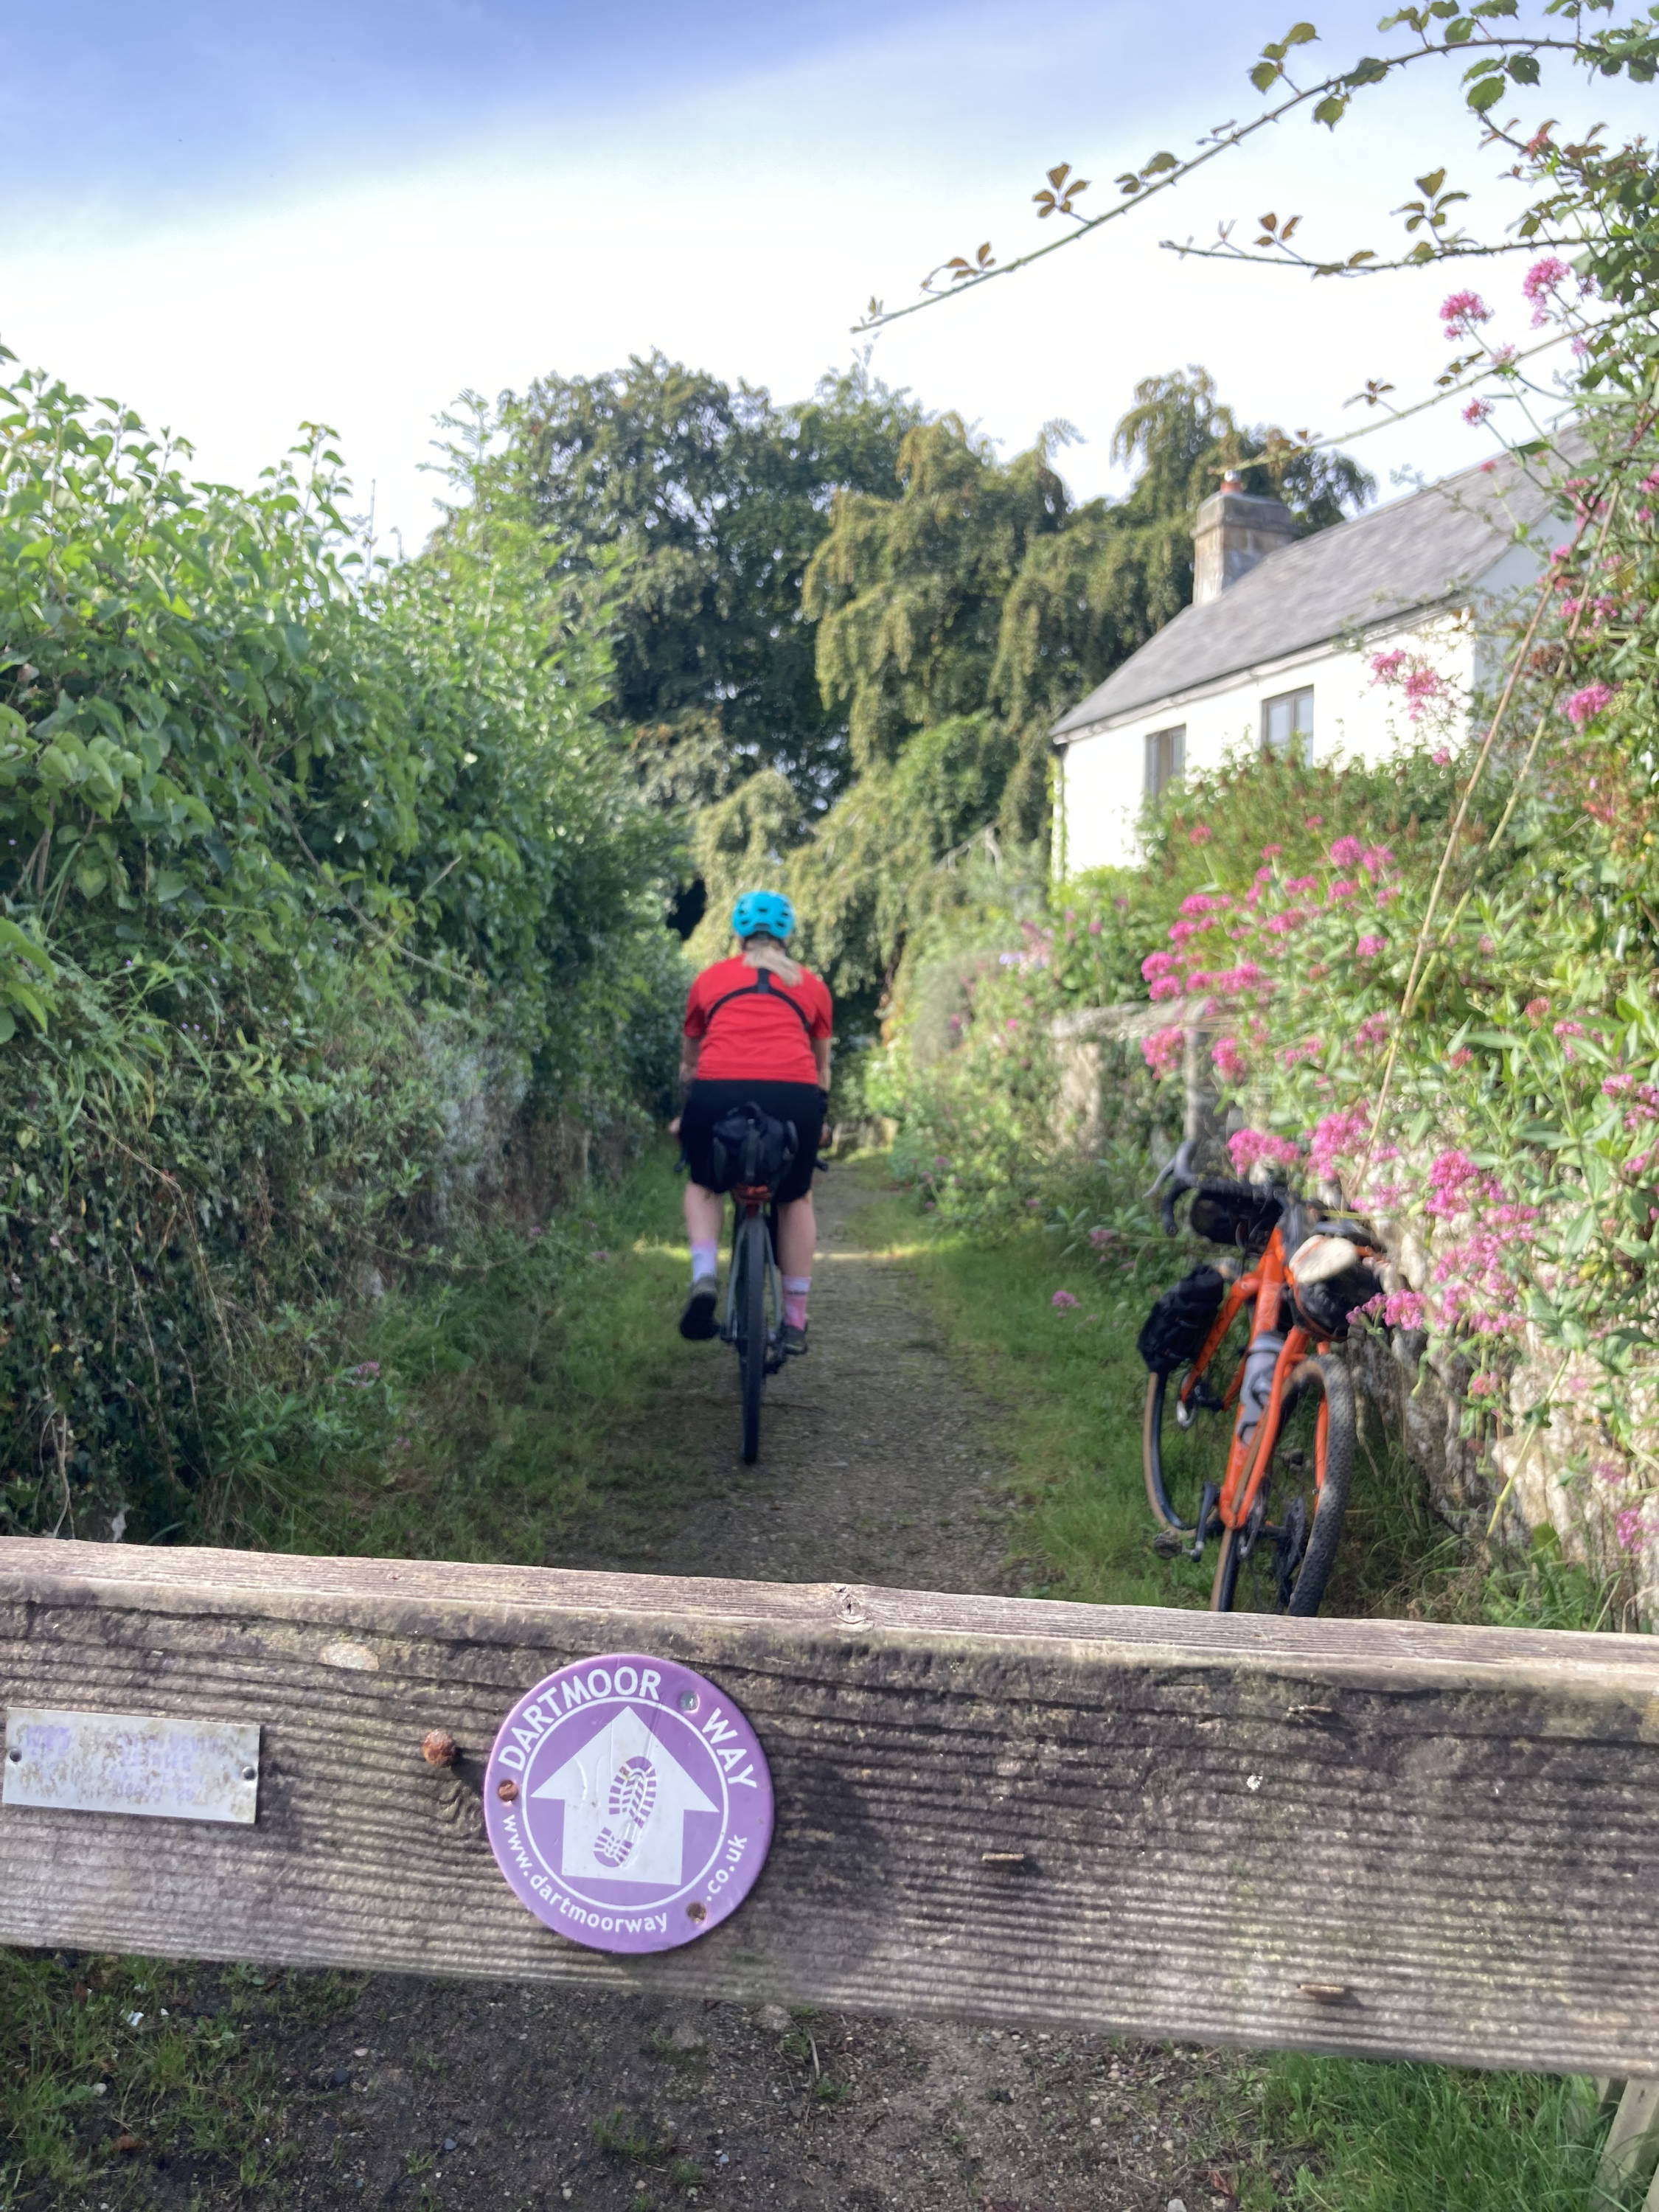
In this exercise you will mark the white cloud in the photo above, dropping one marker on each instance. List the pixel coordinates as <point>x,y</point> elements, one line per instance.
<point>742,230</point>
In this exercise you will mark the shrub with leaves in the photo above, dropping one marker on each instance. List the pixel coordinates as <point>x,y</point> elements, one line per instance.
<point>301,852</point>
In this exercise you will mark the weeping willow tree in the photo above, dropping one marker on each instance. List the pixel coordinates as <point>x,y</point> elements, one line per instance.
<point>954,620</point>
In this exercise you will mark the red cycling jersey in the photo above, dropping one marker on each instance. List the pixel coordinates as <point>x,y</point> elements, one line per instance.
<point>765,1032</point>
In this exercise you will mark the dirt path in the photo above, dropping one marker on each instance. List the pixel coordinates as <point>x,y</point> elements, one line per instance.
<point>876,1467</point>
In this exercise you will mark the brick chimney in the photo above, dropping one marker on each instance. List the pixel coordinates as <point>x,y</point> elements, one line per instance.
<point>1233,531</point>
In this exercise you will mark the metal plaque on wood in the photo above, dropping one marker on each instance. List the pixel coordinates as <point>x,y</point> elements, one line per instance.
<point>168,1770</point>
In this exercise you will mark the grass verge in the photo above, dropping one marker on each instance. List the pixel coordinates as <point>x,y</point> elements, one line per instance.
<point>1067,1384</point>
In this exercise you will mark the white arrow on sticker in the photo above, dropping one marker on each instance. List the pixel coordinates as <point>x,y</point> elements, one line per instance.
<point>626,1798</point>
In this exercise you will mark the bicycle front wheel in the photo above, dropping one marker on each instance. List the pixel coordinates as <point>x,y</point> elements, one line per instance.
<point>1280,1560</point>
<point>1186,1440</point>
<point>751,1303</point>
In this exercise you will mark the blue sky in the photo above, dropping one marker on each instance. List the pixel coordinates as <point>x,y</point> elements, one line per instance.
<point>239,218</point>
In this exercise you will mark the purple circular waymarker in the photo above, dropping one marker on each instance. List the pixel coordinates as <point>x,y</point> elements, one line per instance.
<point>628,1803</point>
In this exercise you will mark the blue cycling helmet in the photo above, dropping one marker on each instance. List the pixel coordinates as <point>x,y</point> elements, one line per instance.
<point>763,911</point>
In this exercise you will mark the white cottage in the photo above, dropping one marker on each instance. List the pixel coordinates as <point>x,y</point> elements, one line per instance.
<point>1279,646</point>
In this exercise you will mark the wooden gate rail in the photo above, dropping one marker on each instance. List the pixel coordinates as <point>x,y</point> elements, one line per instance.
<point>1374,1837</point>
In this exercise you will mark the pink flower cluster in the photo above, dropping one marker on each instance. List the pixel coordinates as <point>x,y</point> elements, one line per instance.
<point>1231,1064</point>
<point>1249,1146</point>
<point>1370,945</point>
<point>1163,1050</point>
<point>1421,684</point>
<point>1372,1029</point>
<point>1641,1099</point>
<point>1544,277</point>
<point>1398,1309</point>
<point>1334,1139</point>
<point>1584,706</point>
<point>1457,1184</point>
<point>1462,313</point>
<point>1063,1298</point>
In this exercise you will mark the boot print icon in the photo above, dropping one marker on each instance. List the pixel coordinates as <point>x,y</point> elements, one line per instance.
<point>629,1804</point>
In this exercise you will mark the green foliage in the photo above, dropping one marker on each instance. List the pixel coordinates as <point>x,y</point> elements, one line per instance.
<point>315,865</point>
<point>956,619</point>
<point>711,501</point>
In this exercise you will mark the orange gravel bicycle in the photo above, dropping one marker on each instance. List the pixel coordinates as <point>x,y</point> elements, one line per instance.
<point>1250,1429</point>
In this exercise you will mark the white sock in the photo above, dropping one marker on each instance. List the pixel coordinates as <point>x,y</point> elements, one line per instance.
<point>795,1291</point>
<point>705,1262</point>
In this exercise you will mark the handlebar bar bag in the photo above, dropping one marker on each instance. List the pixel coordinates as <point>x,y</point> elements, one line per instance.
<point>1234,1213</point>
<point>1326,1309</point>
<point>750,1147</point>
<point>1175,1330</point>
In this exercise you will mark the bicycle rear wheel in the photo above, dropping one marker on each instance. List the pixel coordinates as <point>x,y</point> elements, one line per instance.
<point>1185,1443</point>
<point>749,1305</point>
<point>1280,1561</point>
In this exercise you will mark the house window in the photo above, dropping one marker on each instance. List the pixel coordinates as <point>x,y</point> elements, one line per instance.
<point>1166,757</point>
<point>1287,723</point>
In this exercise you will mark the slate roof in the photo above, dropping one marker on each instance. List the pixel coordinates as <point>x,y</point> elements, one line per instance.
<point>1414,554</point>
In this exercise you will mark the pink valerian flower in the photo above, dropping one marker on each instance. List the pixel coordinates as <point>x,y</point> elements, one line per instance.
<point>1641,1099</point>
<point>1370,945</point>
<point>1477,412</point>
<point>1462,1057</point>
<point>1313,821</point>
<point>1300,884</point>
<point>1232,982</point>
<point>1200,834</point>
<point>1230,1062</point>
<point>1386,666</point>
<point>1310,1049</point>
<point>1205,902</point>
<point>1165,1050</point>
<point>1455,1183</point>
<point>1398,1309</point>
<point>1483,1386</point>
<point>1422,686</point>
<point>1335,1138</point>
<point>1167,987</point>
<point>1376,859</point>
<point>1273,852</point>
<point>1544,277</point>
<point>1064,1298</point>
<point>1343,887</point>
<point>1631,1527</point>
<point>1460,313</point>
<point>1441,757</point>
<point>1096,926</point>
<point>1372,1029</point>
<point>1346,852</point>
<point>1585,705</point>
<point>1281,925</point>
<point>1180,931</point>
<point>1536,1009</point>
<point>1249,1146</point>
<point>1158,964</point>
<point>1100,1238</point>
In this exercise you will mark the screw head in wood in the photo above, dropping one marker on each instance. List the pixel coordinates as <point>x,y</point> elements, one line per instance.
<point>439,1748</point>
<point>507,1791</point>
<point>1324,1992</point>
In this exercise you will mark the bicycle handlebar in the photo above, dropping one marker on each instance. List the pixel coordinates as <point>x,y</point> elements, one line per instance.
<point>1178,1173</point>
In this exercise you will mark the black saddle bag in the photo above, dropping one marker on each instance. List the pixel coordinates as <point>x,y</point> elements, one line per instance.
<point>751,1148</point>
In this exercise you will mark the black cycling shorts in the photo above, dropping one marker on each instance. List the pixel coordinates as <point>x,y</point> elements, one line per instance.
<point>799,1103</point>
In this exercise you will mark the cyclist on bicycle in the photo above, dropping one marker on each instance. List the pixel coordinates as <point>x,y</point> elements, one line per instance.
<point>758,1029</point>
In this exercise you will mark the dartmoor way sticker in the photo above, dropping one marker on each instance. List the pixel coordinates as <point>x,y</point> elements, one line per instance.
<point>628,1803</point>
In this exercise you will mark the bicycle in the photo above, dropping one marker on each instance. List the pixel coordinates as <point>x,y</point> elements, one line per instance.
<point>754,1303</point>
<point>1271,1488</point>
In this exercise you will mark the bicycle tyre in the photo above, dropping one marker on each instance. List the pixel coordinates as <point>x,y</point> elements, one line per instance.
<point>1178,1462</point>
<point>752,1331</point>
<point>1297,1586</point>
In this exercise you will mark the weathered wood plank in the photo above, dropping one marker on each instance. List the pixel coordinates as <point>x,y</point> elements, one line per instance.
<point>1373,1837</point>
<point>1633,2143</point>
